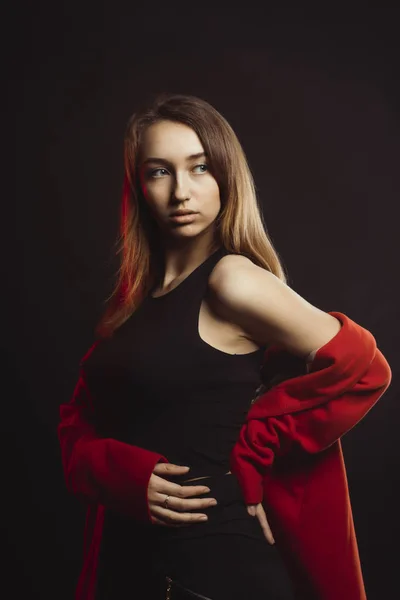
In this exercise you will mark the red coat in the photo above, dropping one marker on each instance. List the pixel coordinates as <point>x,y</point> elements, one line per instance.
<point>288,455</point>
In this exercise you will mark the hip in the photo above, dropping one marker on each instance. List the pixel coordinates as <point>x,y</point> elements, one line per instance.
<point>226,557</point>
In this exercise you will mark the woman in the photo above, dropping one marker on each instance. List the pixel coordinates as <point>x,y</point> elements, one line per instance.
<point>204,431</point>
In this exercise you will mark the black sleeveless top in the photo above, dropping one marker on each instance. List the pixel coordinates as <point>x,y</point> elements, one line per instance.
<point>156,384</point>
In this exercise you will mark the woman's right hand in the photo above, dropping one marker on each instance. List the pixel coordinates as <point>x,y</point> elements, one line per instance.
<point>179,498</point>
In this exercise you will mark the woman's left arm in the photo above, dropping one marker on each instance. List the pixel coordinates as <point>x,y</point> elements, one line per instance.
<point>313,410</point>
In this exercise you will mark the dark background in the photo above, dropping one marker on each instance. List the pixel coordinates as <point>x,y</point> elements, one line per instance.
<point>314,99</point>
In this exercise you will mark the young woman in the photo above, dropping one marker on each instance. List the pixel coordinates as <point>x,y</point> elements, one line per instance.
<point>204,431</point>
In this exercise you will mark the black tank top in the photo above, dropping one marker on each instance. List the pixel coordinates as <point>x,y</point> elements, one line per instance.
<point>156,384</point>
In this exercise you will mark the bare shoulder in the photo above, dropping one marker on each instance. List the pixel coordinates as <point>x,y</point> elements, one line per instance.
<point>266,308</point>
<point>231,261</point>
<point>234,284</point>
<point>235,275</point>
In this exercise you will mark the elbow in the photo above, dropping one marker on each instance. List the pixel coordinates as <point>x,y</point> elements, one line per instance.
<point>381,371</point>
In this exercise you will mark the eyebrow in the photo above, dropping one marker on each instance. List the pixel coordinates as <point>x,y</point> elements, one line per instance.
<point>167,162</point>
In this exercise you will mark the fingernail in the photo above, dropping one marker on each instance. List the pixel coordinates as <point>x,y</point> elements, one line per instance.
<point>206,489</point>
<point>203,518</point>
<point>213,502</point>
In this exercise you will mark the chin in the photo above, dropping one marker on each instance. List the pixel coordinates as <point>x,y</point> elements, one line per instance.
<point>185,234</point>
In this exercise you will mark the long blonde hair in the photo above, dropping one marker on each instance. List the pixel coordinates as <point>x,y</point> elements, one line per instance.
<point>240,226</point>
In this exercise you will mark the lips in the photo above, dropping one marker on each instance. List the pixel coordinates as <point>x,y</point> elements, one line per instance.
<point>179,213</point>
<point>187,217</point>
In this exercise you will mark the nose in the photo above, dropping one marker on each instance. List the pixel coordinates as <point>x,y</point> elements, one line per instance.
<point>181,190</point>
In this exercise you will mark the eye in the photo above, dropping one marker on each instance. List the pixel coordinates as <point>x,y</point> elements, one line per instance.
<point>157,172</point>
<point>203,167</point>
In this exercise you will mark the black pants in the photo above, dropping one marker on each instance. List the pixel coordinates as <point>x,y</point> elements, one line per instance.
<point>224,558</point>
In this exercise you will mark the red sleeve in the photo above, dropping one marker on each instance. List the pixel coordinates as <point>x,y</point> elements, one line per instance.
<point>346,396</point>
<point>102,470</point>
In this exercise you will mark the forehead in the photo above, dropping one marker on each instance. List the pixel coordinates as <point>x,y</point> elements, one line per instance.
<point>167,139</point>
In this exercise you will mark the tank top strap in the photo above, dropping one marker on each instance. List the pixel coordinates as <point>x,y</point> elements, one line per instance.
<point>188,301</point>
<point>194,285</point>
<point>182,304</point>
<point>197,282</point>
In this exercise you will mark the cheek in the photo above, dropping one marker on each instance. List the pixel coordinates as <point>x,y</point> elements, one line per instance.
<point>211,191</point>
<point>154,192</point>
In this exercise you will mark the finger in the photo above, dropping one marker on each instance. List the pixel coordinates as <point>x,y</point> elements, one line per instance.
<point>157,521</point>
<point>185,504</point>
<point>169,468</point>
<point>170,488</point>
<point>171,516</point>
<point>251,509</point>
<point>262,518</point>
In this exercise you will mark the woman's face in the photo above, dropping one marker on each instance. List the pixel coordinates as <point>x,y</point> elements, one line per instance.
<point>174,174</point>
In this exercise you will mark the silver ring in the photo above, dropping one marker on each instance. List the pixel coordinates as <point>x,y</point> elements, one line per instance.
<point>166,502</point>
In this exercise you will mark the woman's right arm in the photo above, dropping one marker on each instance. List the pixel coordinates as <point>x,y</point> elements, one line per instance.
<point>102,470</point>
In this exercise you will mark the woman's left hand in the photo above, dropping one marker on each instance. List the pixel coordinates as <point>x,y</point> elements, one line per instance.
<point>257,510</point>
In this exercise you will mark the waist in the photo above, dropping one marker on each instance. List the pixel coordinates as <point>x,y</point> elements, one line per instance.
<point>199,471</point>
<point>228,515</point>
<point>224,488</point>
<point>197,478</point>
